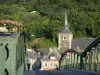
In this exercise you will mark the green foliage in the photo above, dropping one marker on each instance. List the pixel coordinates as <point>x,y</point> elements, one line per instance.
<point>33,24</point>
<point>47,43</point>
<point>36,46</point>
<point>47,21</point>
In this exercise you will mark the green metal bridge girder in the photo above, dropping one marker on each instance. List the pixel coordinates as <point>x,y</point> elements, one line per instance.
<point>12,55</point>
<point>88,60</point>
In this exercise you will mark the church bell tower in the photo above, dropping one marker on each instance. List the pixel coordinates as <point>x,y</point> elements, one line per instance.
<point>65,36</point>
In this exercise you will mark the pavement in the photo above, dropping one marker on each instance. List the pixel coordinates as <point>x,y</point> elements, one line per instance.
<point>60,72</point>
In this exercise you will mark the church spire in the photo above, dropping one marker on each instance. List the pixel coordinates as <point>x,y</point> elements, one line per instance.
<point>66,25</point>
<point>66,21</point>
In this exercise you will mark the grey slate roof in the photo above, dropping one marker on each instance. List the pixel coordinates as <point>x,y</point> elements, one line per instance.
<point>35,54</point>
<point>82,43</point>
<point>52,53</point>
<point>65,29</point>
<point>44,51</point>
<point>32,55</point>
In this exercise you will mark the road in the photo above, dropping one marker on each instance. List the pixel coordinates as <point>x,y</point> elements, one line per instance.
<point>60,72</point>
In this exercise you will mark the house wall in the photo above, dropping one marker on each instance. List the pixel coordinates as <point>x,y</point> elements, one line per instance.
<point>51,64</point>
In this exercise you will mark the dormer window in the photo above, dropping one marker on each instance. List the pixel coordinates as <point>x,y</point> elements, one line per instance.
<point>52,58</point>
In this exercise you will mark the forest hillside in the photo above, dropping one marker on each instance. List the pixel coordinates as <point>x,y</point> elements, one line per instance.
<point>44,19</point>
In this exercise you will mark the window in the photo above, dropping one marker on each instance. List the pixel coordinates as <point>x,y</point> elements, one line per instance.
<point>64,37</point>
<point>50,64</point>
<point>52,58</point>
<point>45,64</point>
<point>53,65</point>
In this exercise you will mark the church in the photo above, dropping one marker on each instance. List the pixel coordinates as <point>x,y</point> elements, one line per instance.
<point>66,40</point>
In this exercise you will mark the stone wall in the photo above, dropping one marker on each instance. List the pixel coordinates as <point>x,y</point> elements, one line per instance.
<point>65,40</point>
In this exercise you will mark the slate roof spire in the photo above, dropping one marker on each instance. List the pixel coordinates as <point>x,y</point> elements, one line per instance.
<point>66,21</point>
<point>66,25</point>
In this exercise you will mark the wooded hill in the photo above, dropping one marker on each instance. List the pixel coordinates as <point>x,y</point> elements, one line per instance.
<point>47,21</point>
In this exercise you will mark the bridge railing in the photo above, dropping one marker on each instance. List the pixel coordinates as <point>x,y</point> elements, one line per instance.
<point>88,60</point>
<point>12,54</point>
<point>70,60</point>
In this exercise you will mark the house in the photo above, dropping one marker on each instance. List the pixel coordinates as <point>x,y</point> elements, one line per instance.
<point>51,60</point>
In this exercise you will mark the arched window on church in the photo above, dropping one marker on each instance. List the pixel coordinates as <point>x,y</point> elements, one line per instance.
<point>64,38</point>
